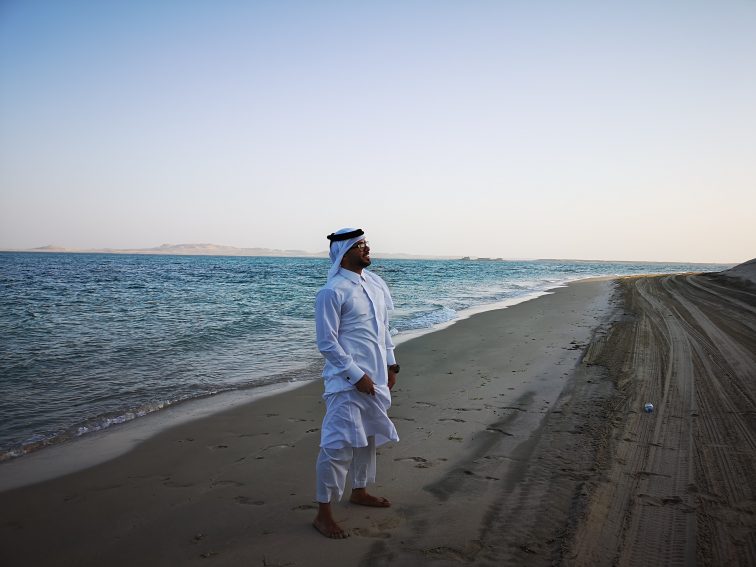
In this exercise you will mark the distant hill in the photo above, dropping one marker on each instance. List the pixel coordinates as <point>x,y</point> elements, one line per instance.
<point>182,250</point>
<point>746,271</point>
<point>221,250</point>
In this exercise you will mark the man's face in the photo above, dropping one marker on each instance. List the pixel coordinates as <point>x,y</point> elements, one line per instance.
<point>359,254</point>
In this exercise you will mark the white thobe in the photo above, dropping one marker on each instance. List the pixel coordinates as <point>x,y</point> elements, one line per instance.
<point>351,322</point>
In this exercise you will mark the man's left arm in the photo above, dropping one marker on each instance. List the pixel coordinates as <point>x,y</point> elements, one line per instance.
<point>393,367</point>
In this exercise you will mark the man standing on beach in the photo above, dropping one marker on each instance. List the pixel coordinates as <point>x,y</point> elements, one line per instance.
<point>351,322</point>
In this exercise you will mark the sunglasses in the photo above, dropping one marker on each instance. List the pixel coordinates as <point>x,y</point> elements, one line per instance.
<point>361,245</point>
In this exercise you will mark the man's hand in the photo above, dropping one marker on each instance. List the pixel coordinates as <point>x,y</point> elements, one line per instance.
<point>366,385</point>
<point>391,378</point>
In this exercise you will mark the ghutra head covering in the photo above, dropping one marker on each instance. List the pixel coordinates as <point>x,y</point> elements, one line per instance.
<point>341,241</point>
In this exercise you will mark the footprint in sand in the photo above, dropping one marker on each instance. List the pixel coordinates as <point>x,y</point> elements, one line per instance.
<point>305,507</point>
<point>471,473</point>
<point>369,532</point>
<point>248,501</point>
<point>389,523</point>
<point>174,484</point>
<point>420,462</point>
<point>107,487</point>
<point>222,483</point>
<point>278,446</point>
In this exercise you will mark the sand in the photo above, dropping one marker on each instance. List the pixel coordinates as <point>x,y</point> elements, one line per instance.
<point>678,487</point>
<point>745,271</point>
<point>523,441</point>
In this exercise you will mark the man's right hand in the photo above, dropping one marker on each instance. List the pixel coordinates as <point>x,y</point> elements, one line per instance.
<point>366,385</point>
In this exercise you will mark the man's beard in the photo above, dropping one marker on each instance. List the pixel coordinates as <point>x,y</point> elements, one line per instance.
<point>364,262</point>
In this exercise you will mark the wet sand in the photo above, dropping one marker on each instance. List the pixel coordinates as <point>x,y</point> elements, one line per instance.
<point>523,441</point>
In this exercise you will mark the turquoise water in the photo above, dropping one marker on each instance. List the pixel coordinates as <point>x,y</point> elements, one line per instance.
<point>92,340</point>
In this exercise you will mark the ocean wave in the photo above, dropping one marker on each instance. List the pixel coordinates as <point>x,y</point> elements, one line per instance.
<point>427,320</point>
<point>99,423</point>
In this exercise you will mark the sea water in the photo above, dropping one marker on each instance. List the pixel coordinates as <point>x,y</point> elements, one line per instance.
<point>92,340</point>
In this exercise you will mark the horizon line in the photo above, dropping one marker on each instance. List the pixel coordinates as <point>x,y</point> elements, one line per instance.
<point>208,249</point>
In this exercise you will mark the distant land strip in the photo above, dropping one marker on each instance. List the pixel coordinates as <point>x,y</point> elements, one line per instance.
<point>215,250</point>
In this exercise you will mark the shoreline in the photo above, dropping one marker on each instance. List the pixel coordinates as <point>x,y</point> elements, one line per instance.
<point>99,447</point>
<point>523,441</point>
<point>119,375</point>
<point>76,453</point>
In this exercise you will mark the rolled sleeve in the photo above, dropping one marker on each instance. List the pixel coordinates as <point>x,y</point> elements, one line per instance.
<point>389,342</point>
<point>390,358</point>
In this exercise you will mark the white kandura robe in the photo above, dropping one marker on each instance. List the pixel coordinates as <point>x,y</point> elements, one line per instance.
<point>351,320</point>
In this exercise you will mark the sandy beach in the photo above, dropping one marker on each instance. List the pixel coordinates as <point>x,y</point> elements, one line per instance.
<point>523,441</point>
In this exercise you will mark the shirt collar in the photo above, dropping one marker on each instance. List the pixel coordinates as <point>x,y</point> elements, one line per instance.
<point>352,276</point>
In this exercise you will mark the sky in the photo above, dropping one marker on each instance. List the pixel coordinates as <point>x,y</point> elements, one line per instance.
<point>607,130</point>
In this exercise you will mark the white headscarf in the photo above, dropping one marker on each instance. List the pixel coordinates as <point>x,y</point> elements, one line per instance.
<point>339,248</point>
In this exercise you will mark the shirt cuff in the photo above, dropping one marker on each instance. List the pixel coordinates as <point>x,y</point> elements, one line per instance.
<point>390,358</point>
<point>353,374</point>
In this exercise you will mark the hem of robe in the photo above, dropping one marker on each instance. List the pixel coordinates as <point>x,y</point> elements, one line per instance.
<point>351,417</point>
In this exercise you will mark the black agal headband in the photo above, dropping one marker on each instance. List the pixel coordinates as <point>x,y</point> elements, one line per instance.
<point>333,237</point>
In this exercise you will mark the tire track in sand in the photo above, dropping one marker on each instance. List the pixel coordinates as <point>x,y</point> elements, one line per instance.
<point>680,487</point>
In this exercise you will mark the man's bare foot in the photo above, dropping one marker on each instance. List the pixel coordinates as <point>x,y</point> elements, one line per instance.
<point>326,525</point>
<point>361,497</point>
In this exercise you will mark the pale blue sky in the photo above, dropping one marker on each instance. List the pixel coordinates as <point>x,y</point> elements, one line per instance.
<point>573,129</point>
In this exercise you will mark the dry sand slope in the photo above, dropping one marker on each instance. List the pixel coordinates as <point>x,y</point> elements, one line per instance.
<point>678,486</point>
